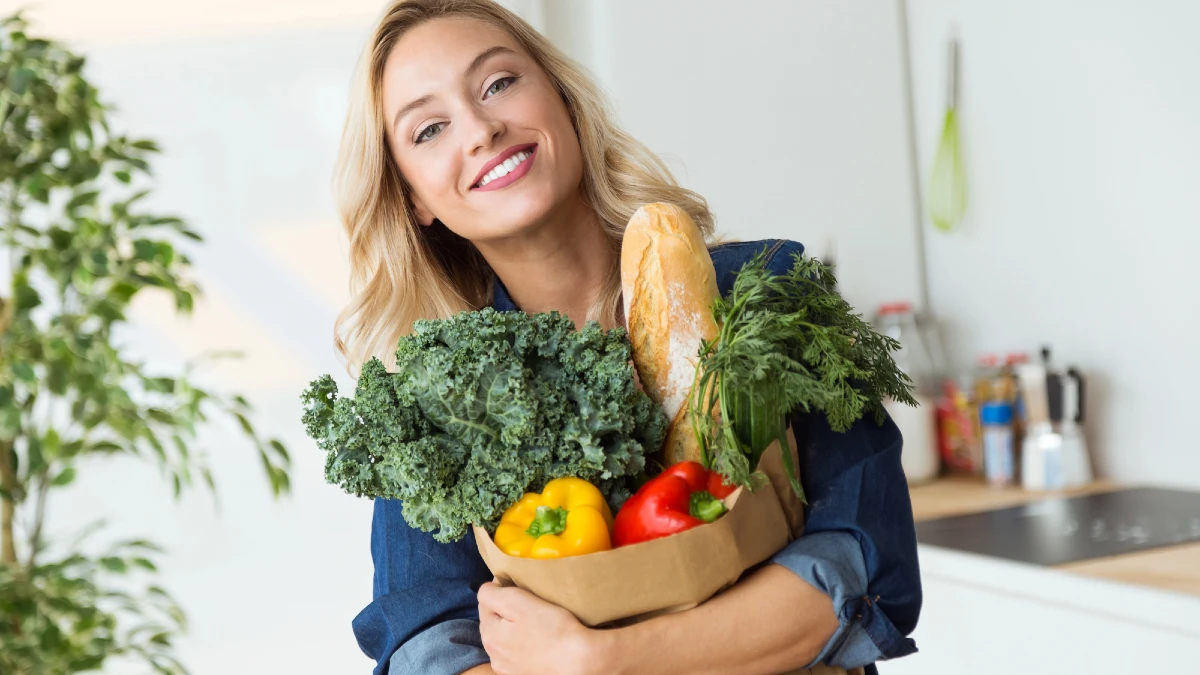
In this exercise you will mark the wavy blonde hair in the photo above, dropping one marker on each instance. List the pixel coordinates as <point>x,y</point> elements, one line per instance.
<point>401,272</point>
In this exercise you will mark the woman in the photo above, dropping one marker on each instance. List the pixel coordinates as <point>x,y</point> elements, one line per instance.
<point>480,167</point>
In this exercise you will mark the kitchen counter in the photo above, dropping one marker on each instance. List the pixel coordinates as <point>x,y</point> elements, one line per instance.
<point>986,615</point>
<point>1171,568</point>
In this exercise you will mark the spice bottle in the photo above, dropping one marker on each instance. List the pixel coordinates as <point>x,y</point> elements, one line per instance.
<point>999,452</point>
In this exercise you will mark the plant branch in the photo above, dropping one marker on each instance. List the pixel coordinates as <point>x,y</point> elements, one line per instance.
<point>8,480</point>
<point>35,537</point>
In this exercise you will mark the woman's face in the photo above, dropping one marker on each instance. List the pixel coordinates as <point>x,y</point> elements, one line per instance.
<point>478,130</point>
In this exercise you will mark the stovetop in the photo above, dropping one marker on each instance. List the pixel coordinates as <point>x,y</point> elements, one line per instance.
<point>1064,530</point>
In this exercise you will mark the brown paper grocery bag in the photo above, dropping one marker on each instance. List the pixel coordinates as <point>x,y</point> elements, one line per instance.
<point>633,583</point>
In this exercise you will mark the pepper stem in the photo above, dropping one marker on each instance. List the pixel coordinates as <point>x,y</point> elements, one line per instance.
<point>706,507</point>
<point>548,521</point>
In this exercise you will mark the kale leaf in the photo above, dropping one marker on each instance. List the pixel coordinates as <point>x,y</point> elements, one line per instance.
<point>483,407</point>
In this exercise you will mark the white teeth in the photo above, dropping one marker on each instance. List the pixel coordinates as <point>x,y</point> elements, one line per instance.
<point>504,168</point>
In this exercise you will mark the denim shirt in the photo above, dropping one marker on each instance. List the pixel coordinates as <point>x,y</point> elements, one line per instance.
<point>858,546</point>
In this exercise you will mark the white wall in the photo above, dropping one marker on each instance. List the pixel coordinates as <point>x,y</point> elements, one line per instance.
<point>149,21</point>
<point>1082,145</point>
<point>789,119</point>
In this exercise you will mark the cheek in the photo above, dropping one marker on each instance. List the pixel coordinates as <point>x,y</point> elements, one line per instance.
<point>431,176</point>
<point>570,152</point>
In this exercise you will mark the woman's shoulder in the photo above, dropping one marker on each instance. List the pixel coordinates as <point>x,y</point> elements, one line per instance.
<point>729,256</point>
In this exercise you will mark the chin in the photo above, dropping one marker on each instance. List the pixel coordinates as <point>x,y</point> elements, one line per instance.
<point>513,220</point>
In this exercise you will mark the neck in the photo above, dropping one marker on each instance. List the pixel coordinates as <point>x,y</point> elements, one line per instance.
<point>561,266</point>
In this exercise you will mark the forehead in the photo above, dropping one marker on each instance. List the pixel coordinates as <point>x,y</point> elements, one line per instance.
<point>435,53</point>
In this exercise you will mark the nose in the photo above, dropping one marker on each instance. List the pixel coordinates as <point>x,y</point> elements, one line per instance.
<point>483,130</point>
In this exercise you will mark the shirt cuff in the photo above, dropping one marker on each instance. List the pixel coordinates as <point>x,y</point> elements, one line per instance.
<point>832,562</point>
<point>446,648</point>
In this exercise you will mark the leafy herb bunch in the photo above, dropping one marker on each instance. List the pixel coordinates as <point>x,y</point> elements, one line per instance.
<point>786,342</point>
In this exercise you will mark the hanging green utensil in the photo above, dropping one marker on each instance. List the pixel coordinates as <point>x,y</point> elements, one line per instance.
<point>948,184</point>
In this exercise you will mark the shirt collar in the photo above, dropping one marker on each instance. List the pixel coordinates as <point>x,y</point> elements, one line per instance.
<point>501,300</point>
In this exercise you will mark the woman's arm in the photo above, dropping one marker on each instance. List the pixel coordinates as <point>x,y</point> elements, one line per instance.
<point>424,617</point>
<point>770,622</point>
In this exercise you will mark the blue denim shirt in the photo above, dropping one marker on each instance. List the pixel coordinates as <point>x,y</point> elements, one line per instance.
<point>859,545</point>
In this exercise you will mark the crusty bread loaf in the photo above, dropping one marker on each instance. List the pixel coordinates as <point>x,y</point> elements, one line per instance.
<point>669,285</point>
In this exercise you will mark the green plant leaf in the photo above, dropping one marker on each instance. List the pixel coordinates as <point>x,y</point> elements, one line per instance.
<point>122,292</point>
<point>38,187</point>
<point>10,423</point>
<point>156,445</point>
<point>20,79</point>
<point>139,545</point>
<point>245,423</point>
<point>71,449</point>
<point>161,416</point>
<point>106,447</point>
<point>184,302</point>
<point>24,295</point>
<point>114,564</point>
<point>35,461</point>
<point>81,199</point>
<point>180,446</point>
<point>280,449</point>
<point>64,478</point>
<point>144,249</point>
<point>162,385</point>
<point>50,443</point>
<point>161,639</point>
<point>57,377</point>
<point>24,371</point>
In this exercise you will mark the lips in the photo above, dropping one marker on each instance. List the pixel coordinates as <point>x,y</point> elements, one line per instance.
<point>506,167</point>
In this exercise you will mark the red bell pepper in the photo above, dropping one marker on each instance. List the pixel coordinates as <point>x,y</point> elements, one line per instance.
<point>680,498</point>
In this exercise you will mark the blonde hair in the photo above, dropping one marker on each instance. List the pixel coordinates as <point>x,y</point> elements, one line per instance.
<point>401,272</point>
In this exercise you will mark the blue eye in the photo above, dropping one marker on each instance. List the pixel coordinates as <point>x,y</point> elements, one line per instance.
<point>425,134</point>
<point>504,81</point>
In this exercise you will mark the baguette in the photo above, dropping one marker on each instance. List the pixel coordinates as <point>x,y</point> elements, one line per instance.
<point>668,286</point>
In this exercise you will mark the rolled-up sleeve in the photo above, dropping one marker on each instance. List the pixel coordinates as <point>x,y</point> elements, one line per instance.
<point>424,615</point>
<point>449,647</point>
<point>859,542</point>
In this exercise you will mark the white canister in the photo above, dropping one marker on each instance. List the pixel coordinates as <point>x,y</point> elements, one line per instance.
<point>918,425</point>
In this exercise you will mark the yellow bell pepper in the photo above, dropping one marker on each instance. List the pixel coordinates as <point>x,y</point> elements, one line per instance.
<point>569,517</point>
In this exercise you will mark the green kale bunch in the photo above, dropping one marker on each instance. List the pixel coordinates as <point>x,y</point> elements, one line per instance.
<point>483,407</point>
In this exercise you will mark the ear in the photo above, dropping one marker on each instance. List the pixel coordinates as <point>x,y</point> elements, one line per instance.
<point>424,217</point>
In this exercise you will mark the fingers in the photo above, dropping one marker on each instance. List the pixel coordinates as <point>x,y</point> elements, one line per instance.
<point>509,602</point>
<point>489,626</point>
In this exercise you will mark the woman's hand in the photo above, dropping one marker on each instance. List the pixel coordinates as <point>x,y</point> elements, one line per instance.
<point>525,635</point>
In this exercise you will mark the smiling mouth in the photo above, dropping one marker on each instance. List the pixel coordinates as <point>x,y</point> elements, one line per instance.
<point>508,171</point>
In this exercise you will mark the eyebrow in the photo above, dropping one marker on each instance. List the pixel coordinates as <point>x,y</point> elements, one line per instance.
<point>475,65</point>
